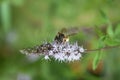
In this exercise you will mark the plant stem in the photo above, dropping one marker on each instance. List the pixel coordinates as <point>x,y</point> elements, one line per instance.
<point>104,48</point>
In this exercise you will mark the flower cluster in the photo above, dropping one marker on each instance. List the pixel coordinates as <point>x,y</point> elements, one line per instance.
<point>59,51</point>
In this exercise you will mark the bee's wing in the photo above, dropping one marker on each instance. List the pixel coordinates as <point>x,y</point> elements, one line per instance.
<point>70,31</point>
<point>64,34</point>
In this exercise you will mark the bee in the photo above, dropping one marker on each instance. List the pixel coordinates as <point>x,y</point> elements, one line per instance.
<point>64,34</point>
<point>61,37</point>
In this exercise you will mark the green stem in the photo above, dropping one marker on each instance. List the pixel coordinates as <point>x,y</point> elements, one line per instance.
<point>104,48</point>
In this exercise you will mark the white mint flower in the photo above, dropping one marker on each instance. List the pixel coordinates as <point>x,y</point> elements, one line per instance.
<point>60,51</point>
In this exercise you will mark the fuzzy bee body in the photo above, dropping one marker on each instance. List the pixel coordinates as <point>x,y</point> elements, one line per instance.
<point>61,38</point>
<point>63,35</point>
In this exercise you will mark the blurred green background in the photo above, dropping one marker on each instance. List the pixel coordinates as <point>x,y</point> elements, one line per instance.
<point>26,23</point>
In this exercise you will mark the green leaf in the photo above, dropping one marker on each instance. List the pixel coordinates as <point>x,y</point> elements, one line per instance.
<point>113,37</point>
<point>110,31</point>
<point>96,60</point>
<point>99,55</point>
<point>101,41</point>
<point>111,41</point>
